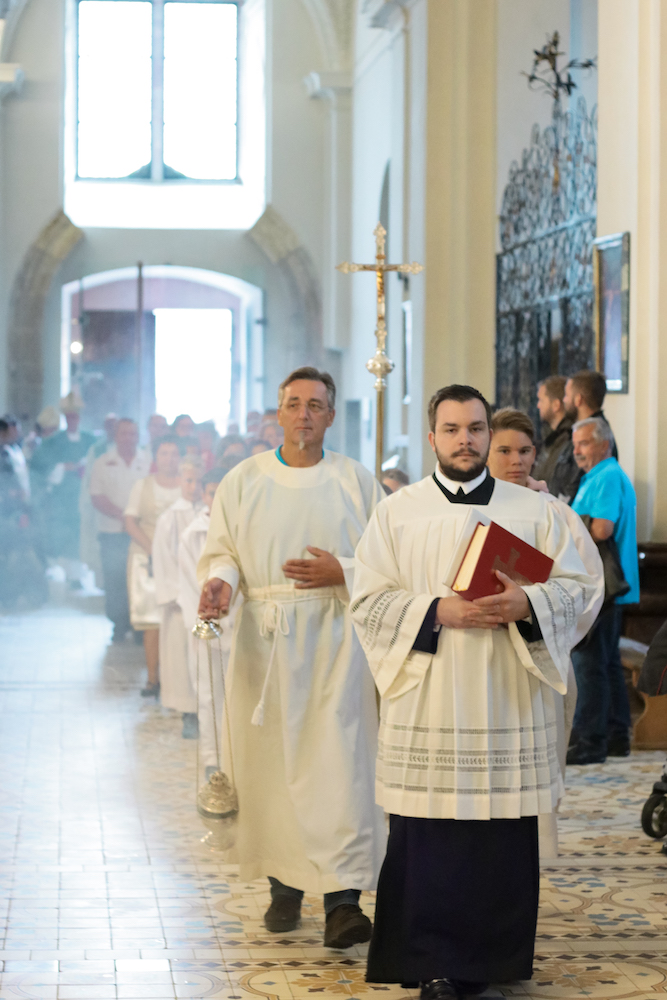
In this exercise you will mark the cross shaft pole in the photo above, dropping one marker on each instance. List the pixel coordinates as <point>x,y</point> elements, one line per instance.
<point>380,365</point>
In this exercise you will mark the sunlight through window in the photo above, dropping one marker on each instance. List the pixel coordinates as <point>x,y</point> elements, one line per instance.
<point>114,93</point>
<point>200,89</point>
<point>193,364</point>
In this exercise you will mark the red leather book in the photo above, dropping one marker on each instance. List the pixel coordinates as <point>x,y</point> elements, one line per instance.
<point>492,548</point>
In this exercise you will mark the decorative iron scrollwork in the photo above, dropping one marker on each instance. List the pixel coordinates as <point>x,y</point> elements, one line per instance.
<point>547,228</point>
<point>555,185</point>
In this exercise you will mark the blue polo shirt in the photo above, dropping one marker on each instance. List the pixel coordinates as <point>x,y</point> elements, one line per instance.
<point>607,492</point>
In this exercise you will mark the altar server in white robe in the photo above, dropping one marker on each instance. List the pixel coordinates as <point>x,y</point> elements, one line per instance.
<point>467,755</point>
<point>511,459</point>
<point>176,690</point>
<point>207,694</point>
<point>284,527</point>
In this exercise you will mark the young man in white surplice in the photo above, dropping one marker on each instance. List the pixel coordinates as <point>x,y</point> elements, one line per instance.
<point>467,755</point>
<point>176,690</point>
<point>303,713</point>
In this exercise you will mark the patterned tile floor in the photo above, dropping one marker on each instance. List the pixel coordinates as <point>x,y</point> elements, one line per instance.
<point>106,891</point>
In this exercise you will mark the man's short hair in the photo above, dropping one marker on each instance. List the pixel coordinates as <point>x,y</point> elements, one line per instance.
<point>181,416</point>
<point>554,386</point>
<point>166,439</point>
<point>228,441</point>
<point>591,386</point>
<point>508,419</point>
<point>398,476</point>
<point>212,476</point>
<point>193,462</point>
<point>601,429</point>
<point>309,374</point>
<point>459,394</point>
<point>126,420</point>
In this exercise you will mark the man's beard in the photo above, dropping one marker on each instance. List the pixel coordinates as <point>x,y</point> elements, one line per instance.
<point>463,475</point>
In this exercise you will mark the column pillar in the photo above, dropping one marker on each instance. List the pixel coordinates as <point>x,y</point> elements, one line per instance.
<point>335,88</point>
<point>632,196</point>
<point>452,225</point>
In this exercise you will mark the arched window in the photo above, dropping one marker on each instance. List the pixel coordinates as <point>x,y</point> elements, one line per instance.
<point>171,111</point>
<point>164,111</point>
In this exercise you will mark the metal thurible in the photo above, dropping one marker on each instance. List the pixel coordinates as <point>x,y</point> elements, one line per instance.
<point>205,628</point>
<point>217,801</point>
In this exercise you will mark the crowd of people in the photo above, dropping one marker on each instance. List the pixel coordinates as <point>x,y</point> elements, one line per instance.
<point>321,572</point>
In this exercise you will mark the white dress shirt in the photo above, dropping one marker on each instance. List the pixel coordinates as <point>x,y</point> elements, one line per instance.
<point>112,477</point>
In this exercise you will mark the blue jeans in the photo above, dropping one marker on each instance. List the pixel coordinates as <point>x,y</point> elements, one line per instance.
<point>331,899</point>
<point>603,710</point>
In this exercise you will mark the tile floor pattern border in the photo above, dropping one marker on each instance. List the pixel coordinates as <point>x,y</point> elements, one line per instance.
<point>107,892</point>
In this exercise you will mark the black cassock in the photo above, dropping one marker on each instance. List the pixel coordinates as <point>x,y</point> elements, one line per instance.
<point>457,899</point>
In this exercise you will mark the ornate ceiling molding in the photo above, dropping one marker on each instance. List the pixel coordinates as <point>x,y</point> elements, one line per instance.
<point>385,13</point>
<point>327,85</point>
<point>334,24</point>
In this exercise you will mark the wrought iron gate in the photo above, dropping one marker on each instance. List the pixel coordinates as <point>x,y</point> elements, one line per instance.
<point>545,294</point>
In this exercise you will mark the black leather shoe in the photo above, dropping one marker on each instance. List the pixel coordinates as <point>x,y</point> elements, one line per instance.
<point>618,748</point>
<point>585,754</point>
<point>283,915</point>
<point>345,926</point>
<point>439,989</point>
<point>468,989</point>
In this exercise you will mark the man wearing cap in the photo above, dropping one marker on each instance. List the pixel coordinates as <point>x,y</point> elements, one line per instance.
<point>61,460</point>
<point>47,423</point>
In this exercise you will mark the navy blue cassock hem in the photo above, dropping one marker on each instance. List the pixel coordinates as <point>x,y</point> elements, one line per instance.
<point>456,899</point>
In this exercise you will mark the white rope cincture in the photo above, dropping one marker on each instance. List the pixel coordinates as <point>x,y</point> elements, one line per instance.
<point>274,623</point>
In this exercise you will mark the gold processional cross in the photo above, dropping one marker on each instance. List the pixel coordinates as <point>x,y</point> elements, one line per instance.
<point>380,365</point>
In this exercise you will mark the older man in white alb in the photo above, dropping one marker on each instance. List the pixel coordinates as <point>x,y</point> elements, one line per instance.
<point>284,526</point>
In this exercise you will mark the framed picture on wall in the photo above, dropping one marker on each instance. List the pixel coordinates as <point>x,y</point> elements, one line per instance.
<point>611,269</point>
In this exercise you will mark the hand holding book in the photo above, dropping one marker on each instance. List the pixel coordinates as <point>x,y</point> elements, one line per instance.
<point>511,605</point>
<point>487,572</point>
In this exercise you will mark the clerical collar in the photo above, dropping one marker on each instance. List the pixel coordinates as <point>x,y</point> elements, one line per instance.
<point>477,491</point>
<point>453,487</point>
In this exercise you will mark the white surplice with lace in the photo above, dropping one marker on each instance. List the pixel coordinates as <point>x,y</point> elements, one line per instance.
<point>305,770</point>
<point>176,690</point>
<point>470,731</point>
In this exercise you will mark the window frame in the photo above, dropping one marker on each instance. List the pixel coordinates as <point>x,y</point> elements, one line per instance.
<point>157,74</point>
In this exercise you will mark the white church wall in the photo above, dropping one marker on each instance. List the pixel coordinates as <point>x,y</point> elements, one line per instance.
<point>425,98</point>
<point>32,189</point>
<point>632,170</point>
<point>377,122</point>
<point>297,126</point>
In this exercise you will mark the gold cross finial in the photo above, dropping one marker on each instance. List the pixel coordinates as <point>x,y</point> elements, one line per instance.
<point>380,365</point>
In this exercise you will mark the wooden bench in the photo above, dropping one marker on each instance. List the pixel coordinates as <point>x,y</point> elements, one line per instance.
<point>640,623</point>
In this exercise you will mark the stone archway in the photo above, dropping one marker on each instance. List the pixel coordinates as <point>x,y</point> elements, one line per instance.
<point>26,312</point>
<point>276,238</point>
